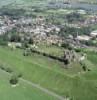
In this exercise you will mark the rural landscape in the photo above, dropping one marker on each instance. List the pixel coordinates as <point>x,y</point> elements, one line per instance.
<point>48,49</point>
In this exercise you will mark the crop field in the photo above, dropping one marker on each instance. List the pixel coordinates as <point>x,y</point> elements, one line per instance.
<point>48,74</point>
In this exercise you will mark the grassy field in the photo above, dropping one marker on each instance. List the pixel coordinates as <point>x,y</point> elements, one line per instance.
<point>50,75</point>
<point>22,91</point>
<point>26,3</point>
<point>54,50</point>
<point>39,61</point>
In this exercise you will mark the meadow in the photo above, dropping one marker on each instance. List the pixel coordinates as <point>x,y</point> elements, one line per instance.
<point>22,91</point>
<point>51,75</point>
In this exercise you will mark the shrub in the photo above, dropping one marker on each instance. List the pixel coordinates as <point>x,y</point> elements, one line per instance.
<point>2,67</point>
<point>70,48</point>
<point>77,50</point>
<point>84,68</point>
<point>14,80</point>
<point>25,54</point>
<point>66,61</point>
<point>7,69</point>
<point>19,75</point>
<point>65,45</point>
<point>3,43</point>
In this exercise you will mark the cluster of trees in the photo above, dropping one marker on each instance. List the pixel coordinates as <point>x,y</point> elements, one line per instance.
<point>66,30</point>
<point>14,13</point>
<point>90,43</point>
<point>16,37</point>
<point>24,39</point>
<point>29,51</point>
<point>66,46</point>
<point>74,17</point>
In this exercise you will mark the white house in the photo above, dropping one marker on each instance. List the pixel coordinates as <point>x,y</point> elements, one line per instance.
<point>81,12</point>
<point>83,38</point>
<point>94,33</point>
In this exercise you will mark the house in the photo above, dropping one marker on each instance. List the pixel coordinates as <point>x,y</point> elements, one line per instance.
<point>93,34</point>
<point>81,12</point>
<point>14,45</point>
<point>83,38</point>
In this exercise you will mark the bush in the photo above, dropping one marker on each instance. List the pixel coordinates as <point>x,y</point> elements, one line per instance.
<point>2,67</point>
<point>14,80</point>
<point>77,50</point>
<point>19,75</point>
<point>70,48</point>
<point>25,53</point>
<point>65,45</point>
<point>66,61</point>
<point>25,45</point>
<point>7,69</point>
<point>84,67</point>
<point>3,43</point>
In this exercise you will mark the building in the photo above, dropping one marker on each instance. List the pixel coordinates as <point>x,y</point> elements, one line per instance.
<point>93,34</point>
<point>83,38</point>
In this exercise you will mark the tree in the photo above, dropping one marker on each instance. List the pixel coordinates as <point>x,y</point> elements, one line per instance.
<point>66,61</point>
<point>27,52</point>
<point>65,45</point>
<point>84,67</point>
<point>74,17</point>
<point>15,38</point>
<point>31,41</point>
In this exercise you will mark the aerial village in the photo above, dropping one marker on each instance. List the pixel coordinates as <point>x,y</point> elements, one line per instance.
<point>43,31</point>
<point>48,50</point>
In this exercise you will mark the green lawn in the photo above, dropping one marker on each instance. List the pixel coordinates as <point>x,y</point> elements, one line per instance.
<point>49,74</point>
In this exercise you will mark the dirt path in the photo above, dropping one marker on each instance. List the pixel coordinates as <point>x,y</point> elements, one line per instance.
<point>43,89</point>
<point>40,88</point>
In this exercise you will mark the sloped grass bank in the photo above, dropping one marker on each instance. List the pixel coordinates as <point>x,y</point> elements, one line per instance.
<point>78,88</point>
<point>22,91</point>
